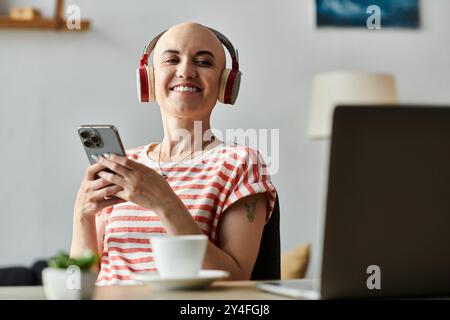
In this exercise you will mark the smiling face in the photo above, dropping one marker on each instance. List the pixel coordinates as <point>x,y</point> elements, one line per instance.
<point>188,61</point>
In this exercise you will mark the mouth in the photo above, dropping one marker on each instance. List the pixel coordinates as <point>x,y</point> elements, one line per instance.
<point>186,88</point>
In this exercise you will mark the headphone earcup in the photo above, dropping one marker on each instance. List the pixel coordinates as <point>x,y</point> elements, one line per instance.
<point>151,84</point>
<point>145,84</point>
<point>230,81</point>
<point>142,84</point>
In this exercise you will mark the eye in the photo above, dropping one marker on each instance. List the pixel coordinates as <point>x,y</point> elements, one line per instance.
<point>171,60</point>
<point>204,63</point>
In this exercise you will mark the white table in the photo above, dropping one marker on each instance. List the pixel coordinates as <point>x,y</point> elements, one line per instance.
<point>221,290</point>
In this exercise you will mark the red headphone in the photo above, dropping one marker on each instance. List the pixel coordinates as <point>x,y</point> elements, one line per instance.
<point>230,79</point>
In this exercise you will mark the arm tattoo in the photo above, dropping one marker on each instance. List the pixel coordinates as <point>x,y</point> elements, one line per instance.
<point>251,209</point>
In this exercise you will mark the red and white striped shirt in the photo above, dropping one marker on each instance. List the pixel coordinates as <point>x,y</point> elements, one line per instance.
<point>207,184</point>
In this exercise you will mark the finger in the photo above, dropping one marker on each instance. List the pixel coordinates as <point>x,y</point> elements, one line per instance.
<point>121,194</point>
<point>124,161</point>
<point>106,192</point>
<point>111,202</point>
<point>114,166</point>
<point>92,170</point>
<point>100,183</point>
<point>112,178</point>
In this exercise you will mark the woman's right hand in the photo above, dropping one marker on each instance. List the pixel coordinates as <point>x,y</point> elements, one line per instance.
<point>94,192</point>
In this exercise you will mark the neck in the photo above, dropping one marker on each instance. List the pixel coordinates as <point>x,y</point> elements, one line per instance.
<point>184,136</point>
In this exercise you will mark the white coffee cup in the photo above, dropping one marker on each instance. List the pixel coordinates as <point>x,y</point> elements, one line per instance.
<point>179,256</point>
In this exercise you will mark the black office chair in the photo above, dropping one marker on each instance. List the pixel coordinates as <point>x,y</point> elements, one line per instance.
<point>23,276</point>
<point>268,264</point>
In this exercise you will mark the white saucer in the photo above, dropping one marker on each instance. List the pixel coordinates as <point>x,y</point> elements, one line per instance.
<point>204,279</point>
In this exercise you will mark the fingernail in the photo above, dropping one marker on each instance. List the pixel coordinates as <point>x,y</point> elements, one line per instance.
<point>95,157</point>
<point>107,155</point>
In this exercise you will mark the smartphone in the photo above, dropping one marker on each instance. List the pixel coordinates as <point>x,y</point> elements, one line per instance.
<point>100,140</point>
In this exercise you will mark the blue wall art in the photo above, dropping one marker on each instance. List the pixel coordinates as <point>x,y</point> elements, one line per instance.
<point>354,13</point>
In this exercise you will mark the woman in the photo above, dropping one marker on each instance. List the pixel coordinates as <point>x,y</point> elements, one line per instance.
<point>177,187</point>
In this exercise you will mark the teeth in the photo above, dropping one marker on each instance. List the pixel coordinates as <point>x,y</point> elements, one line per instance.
<point>185,89</point>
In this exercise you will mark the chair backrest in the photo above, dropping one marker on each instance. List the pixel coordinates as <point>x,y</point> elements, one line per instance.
<point>268,265</point>
<point>23,276</point>
<point>16,276</point>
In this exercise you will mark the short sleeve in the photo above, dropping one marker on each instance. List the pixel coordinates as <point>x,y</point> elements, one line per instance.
<point>250,176</point>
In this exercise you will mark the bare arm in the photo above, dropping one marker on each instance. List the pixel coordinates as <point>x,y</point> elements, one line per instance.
<point>241,231</point>
<point>84,235</point>
<point>239,235</point>
<point>88,233</point>
<point>88,226</point>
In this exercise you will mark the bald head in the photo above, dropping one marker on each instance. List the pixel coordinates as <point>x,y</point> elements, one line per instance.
<point>188,63</point>
<point>193,37</point>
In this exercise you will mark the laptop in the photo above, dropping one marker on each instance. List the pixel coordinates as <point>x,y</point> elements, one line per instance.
<point>387,220</point>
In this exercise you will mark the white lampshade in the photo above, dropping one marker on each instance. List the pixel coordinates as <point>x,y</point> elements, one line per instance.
<point>346,87</point>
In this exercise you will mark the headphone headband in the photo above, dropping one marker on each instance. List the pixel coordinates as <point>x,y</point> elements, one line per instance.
<point>224,40</point>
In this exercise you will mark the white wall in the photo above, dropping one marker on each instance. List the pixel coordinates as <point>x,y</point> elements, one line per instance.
<point>52,82</point>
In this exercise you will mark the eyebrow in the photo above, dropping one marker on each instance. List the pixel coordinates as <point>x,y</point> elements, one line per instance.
<point>198,53</point>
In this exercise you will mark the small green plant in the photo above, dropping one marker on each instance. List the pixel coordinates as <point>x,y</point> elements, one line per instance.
<point>63,260</point>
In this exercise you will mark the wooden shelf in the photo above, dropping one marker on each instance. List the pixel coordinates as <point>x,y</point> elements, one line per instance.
<point>57,23</point>
<point>40,23</point>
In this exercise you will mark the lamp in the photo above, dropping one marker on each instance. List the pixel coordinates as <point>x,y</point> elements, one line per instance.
<point>346,87</point>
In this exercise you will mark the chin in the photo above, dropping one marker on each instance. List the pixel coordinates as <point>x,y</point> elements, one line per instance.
<point>185,109</point>
<point>188,108</point>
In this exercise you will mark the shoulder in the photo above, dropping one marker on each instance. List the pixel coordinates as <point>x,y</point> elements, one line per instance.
<point>236,154</point>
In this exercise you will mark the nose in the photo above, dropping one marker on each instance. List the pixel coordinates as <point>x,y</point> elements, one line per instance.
<point>186,69</point>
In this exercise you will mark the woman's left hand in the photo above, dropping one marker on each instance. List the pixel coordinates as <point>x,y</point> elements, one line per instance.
<point>141,185</point>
